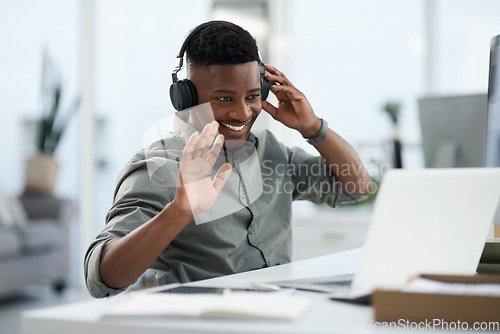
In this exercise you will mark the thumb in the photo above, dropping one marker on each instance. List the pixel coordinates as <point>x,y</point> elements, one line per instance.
<point>270,109</point>
<point>222,176</point>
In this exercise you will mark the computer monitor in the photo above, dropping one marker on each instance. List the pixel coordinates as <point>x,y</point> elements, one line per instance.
<point>492,156</point>
<point>453,130</point>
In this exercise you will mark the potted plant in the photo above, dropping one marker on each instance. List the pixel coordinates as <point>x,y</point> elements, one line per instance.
<point>394,147</point>
<point>41,170</point>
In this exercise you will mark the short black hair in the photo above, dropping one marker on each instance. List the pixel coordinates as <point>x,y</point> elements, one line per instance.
<point>222,43</point>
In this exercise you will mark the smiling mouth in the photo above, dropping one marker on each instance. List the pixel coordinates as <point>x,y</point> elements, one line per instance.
<point>233,127</point>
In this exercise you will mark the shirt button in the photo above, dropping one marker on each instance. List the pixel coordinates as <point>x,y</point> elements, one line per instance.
<point>241,191</point>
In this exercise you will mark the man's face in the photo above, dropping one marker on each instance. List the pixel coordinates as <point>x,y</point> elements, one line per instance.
<point>234,95</point>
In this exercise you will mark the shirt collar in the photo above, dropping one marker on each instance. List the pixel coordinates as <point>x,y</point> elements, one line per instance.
<point>182,128</point>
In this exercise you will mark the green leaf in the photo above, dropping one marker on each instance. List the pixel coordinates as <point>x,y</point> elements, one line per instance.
<point>63,124</point>
<point>393,110</point>
<point>52,124</point>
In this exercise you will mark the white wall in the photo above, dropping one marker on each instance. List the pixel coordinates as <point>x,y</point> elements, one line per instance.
<point>464,32</point>
<point>350,57</point>
<point>26,26</point>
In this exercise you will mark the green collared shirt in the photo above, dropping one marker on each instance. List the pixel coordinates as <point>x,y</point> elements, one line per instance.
<point>249,226</point>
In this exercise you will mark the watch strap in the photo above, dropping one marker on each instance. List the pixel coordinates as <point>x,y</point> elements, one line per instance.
<point>321,135</point>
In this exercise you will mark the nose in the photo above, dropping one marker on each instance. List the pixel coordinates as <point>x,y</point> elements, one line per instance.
<point>241,112</point>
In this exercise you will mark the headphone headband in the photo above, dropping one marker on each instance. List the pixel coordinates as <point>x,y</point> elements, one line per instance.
<point>182,92</point>
<point>179,60</point>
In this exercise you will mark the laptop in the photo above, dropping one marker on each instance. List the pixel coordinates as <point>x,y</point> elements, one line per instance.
<point>432,221</point>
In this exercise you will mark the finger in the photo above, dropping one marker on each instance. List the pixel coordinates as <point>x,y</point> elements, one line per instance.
<point>270,109</point>
<point>202,141</point>
<point>272,69</point>
<point>276,76</point>
<point>180,181</point>
<point>215,150</point>
<point>278,80</point>
<point>222,176</point>
<point>206,138</point>
<point>291,92</point>
<point>190,147</point>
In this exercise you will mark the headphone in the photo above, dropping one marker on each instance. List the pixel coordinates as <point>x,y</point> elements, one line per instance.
<point>183,93</point>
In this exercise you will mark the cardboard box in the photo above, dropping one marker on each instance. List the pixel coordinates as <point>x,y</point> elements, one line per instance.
<point>397,306</point>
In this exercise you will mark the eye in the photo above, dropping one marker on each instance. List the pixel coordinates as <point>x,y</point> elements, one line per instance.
<point>253,97</point>
<point>224,99</point>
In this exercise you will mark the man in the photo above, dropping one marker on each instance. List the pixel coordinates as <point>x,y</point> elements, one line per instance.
<point>218,201</point>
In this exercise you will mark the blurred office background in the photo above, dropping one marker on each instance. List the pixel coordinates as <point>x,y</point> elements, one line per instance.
<point>348,57</point>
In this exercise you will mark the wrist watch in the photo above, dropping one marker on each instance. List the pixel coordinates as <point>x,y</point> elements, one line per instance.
<point>321,135</point>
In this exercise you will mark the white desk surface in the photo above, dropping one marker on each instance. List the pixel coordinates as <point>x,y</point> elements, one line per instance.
<point>325,316</point>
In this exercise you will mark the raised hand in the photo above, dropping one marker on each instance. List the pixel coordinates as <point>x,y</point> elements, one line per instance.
<point>198,191</point>
<point>293,108</point>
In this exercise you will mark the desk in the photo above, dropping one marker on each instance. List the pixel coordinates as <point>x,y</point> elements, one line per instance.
<point>325,316</point>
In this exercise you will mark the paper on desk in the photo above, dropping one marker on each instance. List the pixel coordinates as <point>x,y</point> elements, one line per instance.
<point>241,305</point>
<point>423,285</point>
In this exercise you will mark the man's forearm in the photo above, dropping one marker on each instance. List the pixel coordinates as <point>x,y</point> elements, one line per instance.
<point>125,259</point>
<point>345,164</point>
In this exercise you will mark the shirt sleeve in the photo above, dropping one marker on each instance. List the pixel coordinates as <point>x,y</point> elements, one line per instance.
<point>315,182</point>
<point>95,286</point>
<point>139,196</point>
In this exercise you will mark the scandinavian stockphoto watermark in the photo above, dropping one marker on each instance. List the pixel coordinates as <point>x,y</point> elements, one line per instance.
<point>250,177</point>
<point>432,324</point>
<point>316,175</point>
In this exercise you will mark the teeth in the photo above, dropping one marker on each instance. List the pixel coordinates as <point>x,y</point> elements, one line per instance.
<point>232,127</point>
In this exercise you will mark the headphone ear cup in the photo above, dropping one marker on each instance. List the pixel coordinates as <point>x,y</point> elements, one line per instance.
<point>265,86</point>
<point>183,94</point>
